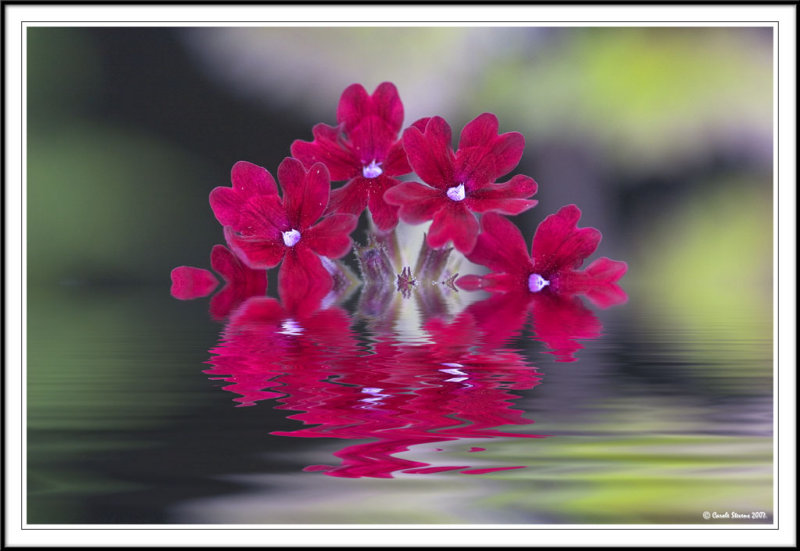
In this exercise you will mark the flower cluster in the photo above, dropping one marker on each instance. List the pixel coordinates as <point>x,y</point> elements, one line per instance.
<point>303,225</point>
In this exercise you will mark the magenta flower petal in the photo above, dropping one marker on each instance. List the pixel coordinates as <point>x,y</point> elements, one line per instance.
<point>597,282</point>
<point>454,223</point>
<point>470,282</point>
<point>351,198</point>
<point>387,106</point>
<point>506,197</point>
<point>189,282</point>
<point>241,282</point>
<point>328,148</point>
<point>263,217</point>
<point>479,132</point>
<point>418,202</point>
<point>331,236</point>
<point>430,153</point>
<point>302,280</point>
<point>248,180</point>
<point>353,106</point>
<point>254,251</point>
<point>226,204</point>
<point>483,155</point>
<point>247,281</point>
<point>559,245</point>
<point>501,247</point>
<point>396,163</point>
<point>305,194</point>
<point>384,215</point>
<point>251,179</point>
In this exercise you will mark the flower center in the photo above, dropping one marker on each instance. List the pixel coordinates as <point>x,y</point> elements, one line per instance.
<point>291,237</point>
<point>536,283</point>
<point>372,170</point>
<point>291,327</point>
<point>456,193</point>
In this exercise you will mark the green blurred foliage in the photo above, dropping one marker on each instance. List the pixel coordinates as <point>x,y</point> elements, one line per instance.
<point>704,271</point>
<point>101,205</point>
<point>646,98</point>
<point>101,200</point>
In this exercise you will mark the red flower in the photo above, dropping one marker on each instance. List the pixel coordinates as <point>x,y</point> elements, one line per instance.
<point>558,250</point>
<point>270,229</point>
<point>241,282</point>
<point>363,149</point>
<point>461,183</point>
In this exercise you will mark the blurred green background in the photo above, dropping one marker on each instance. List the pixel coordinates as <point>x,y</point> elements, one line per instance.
<point>662,136</point>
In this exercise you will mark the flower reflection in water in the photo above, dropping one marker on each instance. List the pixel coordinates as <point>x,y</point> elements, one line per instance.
<point>399,394</point>
<point>452,380</point>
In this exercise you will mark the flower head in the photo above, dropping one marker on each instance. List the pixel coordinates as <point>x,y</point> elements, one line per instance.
<point>463,182</point>
<point>558,250</point>
<point>363,149</point>
<point>270,229</point>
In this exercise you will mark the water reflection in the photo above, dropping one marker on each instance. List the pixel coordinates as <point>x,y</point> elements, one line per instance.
<point>453,379</point>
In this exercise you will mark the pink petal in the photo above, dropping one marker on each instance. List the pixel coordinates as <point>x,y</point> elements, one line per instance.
<point>430,153</point>
<point>470,282</point>
<point>478,166</point>
<point>251,179</point>
<point>331,236</point>
<point>418,203</point>
<point>305,194</point>
<point>383,214</point>
<point>353,106</point>
<point>371,140</point>
<point>597,282</point>
<point>189,282</point>
<point>248,180</point>
<point>237,274</point>
<point>351,198</point>
<point>302,280</point>
<point>501,247</point>
<point>226,204</point>
<point>454,223</point>
<point>242,282</point>
<point>479,131</point>
<point>506,197</point>
<point>420,124</point>
<point>559,245</point>
<point>386,104</point>
<point>396,162</point>
<point>256,252</point>
<point>263,217</point>
<point>330,149</point>
<point>483,155</point>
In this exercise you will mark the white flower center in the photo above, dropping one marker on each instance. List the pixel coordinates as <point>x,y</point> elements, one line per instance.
<point>456,193</point>
<point>372,170</point>
<point>536,283</point>
<point>291,327</point>
<point>291,237</point>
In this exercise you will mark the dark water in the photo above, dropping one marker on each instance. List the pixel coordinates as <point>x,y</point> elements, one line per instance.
<point>142,409</point>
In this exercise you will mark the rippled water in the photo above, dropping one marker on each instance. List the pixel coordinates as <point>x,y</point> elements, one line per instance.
<point>142,409</point>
